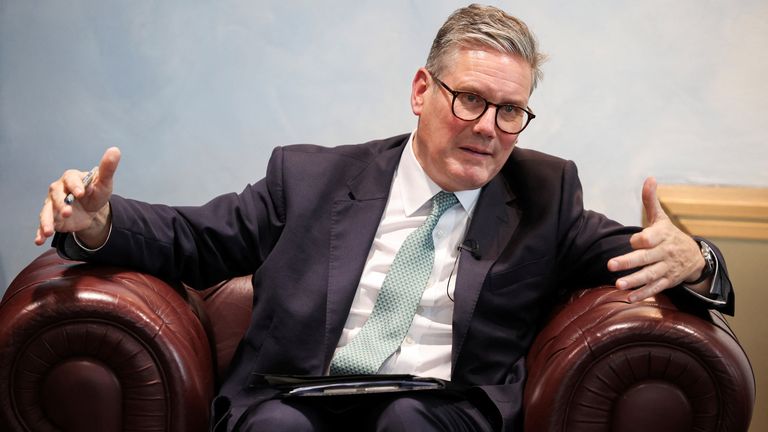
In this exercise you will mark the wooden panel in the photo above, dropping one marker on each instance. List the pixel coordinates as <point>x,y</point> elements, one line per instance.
<point>717,211</point>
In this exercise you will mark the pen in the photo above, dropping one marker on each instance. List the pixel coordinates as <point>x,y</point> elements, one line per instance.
<point>86,182</point>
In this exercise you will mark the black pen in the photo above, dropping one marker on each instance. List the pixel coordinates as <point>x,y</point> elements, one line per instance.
<point>86,182</point>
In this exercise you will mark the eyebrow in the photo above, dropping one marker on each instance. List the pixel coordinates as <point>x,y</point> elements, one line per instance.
<point>474,90</point>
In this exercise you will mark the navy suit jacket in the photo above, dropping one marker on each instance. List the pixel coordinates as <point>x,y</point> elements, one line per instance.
<point>305,230</point>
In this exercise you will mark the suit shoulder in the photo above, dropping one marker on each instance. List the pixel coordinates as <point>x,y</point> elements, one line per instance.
<point>351,152</point>
<point>528,168</point>
<point>527,156</point>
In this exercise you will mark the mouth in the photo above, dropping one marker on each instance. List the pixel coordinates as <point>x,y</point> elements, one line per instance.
<point>477,152</point>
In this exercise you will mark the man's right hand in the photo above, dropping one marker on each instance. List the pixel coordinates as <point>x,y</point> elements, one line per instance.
<point>89,215</point>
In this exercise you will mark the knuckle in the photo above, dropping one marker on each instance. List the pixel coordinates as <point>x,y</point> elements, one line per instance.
<point>646,256</point>
<point>623,262</point>
<point>651,274</point>
<point>660,286</point>
<point>644,240</point>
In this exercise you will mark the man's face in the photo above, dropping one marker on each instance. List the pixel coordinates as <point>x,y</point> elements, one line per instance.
<point>457,154</point>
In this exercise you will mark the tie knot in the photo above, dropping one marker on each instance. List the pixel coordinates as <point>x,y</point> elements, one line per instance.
<point>441,202</point>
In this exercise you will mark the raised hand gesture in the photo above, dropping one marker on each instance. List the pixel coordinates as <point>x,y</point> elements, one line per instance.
<point>88,215</point>
<point>663,255</point>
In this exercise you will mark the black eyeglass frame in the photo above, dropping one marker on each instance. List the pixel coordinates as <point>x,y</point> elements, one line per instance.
<point>456,93</point>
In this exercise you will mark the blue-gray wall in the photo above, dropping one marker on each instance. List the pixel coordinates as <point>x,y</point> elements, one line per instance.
<point>197,93</point>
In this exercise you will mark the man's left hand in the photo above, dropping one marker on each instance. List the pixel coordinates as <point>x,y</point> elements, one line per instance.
<point>663,255</point>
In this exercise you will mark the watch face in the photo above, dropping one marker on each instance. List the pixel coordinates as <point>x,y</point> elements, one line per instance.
<point>709,260</point>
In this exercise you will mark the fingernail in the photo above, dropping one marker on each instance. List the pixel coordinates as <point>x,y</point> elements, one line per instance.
<point>620,284</point>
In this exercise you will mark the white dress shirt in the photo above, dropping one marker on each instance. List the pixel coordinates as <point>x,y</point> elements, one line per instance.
<point>426,350</point>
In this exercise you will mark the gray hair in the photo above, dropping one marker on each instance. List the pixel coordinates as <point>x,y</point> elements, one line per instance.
<point>487,27</point>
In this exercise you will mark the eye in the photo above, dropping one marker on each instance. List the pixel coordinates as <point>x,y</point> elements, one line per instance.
<point>510,111</point>
<point>471,99</point>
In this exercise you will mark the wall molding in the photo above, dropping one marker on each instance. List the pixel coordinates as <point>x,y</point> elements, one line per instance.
<point>717,211</point>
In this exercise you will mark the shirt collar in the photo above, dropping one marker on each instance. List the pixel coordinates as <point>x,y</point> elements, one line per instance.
<point>416,188</point>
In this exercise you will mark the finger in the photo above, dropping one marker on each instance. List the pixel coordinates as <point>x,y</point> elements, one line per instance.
<point>634,259</point>
<point>645,239</point>
<point>108,166</point>
<point>647,275</point>
<point>651,204</point>
<point>55,206</point>
<point>71,182</point>
<point>45,228</point>
<point>648,291</point>
<point>39,237</point>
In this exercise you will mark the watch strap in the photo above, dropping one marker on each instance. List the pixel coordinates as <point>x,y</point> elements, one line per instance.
<point>709,263</point>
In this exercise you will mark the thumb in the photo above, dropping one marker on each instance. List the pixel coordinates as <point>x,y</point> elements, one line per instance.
<point>108,165</point>
<point>651,204</point>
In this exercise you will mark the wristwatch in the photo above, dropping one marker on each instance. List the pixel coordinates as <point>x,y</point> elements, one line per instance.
<point>709,263</point>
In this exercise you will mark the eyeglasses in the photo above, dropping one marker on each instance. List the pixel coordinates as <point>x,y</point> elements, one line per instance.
<point>466,106</point>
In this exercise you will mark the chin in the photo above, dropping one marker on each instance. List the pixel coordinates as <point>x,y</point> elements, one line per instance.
<point>474,179</point>
<point>460,184</point>
<point>462,176</point>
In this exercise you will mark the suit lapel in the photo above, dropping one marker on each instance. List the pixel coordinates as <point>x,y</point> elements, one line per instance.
<point>493,222</point>
<point>354,221</point>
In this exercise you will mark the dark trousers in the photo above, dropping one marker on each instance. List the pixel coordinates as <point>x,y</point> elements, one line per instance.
<point>416,411</point>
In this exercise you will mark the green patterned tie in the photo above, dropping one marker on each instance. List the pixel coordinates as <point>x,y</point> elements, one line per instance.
<point>398,299</point>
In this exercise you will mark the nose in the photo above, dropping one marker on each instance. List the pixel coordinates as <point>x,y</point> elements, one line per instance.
<point>486,124</point>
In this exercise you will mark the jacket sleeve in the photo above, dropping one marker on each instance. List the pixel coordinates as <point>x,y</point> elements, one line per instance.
<point>229,236</point>
<point>589,239</point>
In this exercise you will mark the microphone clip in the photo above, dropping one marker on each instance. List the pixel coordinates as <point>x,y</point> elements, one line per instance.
<point>471,246</point>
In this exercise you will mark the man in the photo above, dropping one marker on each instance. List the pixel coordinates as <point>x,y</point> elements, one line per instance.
<point>326,231</point>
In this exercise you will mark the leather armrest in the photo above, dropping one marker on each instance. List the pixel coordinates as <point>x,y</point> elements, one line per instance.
<point>602,363</point>
<point>86,347</point>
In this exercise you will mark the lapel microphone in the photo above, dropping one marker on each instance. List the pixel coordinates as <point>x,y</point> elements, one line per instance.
<point>471,246</point>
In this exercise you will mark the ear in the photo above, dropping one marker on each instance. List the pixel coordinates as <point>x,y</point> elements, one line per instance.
<point>419,88</point>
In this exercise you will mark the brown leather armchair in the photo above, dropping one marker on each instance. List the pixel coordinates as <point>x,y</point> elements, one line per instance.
<point>94,348</point>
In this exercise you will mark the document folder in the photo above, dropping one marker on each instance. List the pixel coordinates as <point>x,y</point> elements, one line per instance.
<point>335,385</point>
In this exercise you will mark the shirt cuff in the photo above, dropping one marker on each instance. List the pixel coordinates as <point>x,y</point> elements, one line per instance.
<point>715,289</point>
<point>88,250</point>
